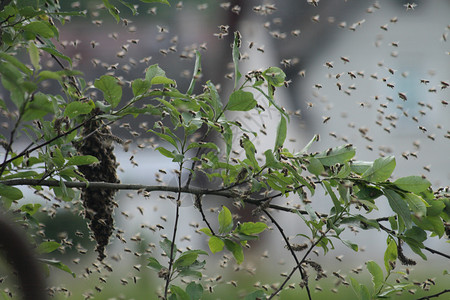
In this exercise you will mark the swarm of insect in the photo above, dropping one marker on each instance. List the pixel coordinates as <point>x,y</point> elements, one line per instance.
<point>98,203</point>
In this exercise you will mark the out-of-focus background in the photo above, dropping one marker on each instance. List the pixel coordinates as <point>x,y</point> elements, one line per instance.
<point>370,73</point>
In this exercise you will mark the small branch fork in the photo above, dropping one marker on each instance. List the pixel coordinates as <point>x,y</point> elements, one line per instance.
<point>298,263</point>
<point>175,227</point>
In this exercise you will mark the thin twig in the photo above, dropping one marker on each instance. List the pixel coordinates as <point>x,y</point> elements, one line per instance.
<point>434,295</point>
<point>426,248</point>
<point>198,204</point>
<point>175,228</point>
<point>27,151</point>
<point>302,272</point>
<point>12,134</point>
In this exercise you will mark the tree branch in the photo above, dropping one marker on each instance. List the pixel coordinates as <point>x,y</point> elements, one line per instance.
<point>148,188</point>
<point>434,295</point>
<point>302,272</point>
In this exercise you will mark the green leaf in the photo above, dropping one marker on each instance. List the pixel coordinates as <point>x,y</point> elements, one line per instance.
<point>25,174</point>
<point>414,184</point>
<point>236,56</point>
<point>315,166</point>
<point>112,10</point>
<point>206,231</point>
<point>250,228</point>
<point>203,145</point>
<point>130,6</point>
<point>351,245</point>
<point>359,167</point>
<point>416,204</point>
<point>241,101</point>
<point>339,155</point>
<point>368,192</point>
<point>156,1</point>
<point>154,264</point>
<point>11,80</point>
<point>436,207</point>
<point>43,75</point>
<point>415,246</point>
<point>336,202</point>
<point>81,160</point>
<point>77,108</point>
<point>181,294</point>
<point>236,250</point>
<point>196,74</point>
<point>399,206</point>
<point>41,28</point>
<point>306,148</point>
<point>365,294</point>
<point>190,272</point>
<point>215,244</point>
<point>111,89</point>
<point>381,169</point>
<point>225,220</point>
<point>214,99</point>
<point>162,80</point>
<point>57,264</point>
<point>390,255</point>
<point>194,290</point>
<point>39,107</point>
<point>185,259</point>
<point>396,288</point>
<point>167,138</point>
<point>140,86</point>
<point>166,246</point>
<point>377,274</point>
<point>56,53</point>
<point>417,234</point>
<point>228,138</point>
<point>431,223</point>
<point>30,208</point>
<point>47,247</point>
<point>274,76</point>
<point>33,51</point>
<point>165,152</point>
<point>153,71</point>
<point>356,287</point>
<point>281,133</point>
<point>250,151</point>
<point>15,62</point>
<point>10,192</point>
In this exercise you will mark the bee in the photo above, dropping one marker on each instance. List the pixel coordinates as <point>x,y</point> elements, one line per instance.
<point>329,64</point>
<point>345,59</point>
<point>315,18</point>
<point>295,32</point>
<point>410,6</point>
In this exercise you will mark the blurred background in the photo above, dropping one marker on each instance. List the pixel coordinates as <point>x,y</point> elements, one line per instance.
<point>370,73</point>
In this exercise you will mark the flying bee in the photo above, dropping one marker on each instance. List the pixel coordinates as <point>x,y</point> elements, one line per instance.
<point>345,59</point>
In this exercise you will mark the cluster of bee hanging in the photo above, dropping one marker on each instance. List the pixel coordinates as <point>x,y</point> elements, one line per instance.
<point>99,203</point>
